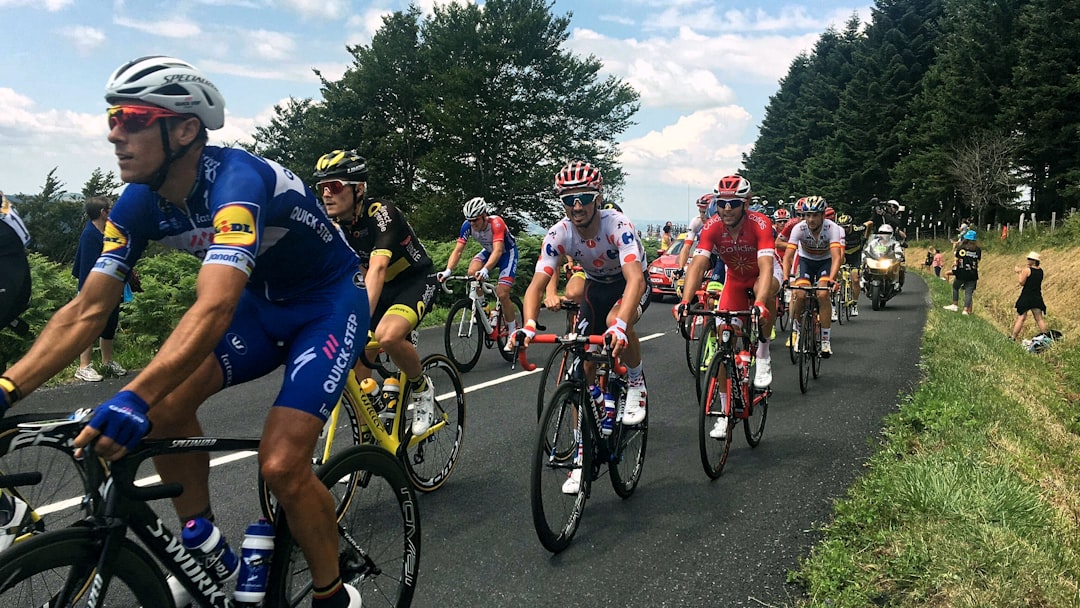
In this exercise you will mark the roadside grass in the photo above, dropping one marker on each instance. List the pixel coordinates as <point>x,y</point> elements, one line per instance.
<point>973,496</point>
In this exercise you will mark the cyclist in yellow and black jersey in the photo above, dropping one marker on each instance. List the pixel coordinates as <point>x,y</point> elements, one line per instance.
<point>854,239</point>
<point>399,274</point>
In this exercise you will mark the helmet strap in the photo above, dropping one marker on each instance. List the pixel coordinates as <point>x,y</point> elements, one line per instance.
<point>158,179</point>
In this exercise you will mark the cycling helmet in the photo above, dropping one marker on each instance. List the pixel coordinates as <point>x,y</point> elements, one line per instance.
<point>844,220</point>
<point>756,208</point>
<point>341,164</point>
<point>781,215</point>
<point>732,186</point>
<point>169,83</point>
<point>474,208</point>
<point>893,205</point>
<point>830,213</point>
<point>704,200</point>
<point>885,229</point>
<point>612,206</point>
<point>578,174</point>
<point>811,204</point>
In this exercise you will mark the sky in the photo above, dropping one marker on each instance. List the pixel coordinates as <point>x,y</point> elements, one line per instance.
<point>704,69</point>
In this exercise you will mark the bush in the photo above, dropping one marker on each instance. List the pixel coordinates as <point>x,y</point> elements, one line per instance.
<point>168,282</point>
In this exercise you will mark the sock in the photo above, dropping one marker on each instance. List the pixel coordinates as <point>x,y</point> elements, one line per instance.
<point>825,331</point>
<point>207,514</point>
<point>633,375</point>
<point>418,384</point>
<point>762,351</point>
<point>512,326</point>
<point>723,404</point>
<point>331,596</point>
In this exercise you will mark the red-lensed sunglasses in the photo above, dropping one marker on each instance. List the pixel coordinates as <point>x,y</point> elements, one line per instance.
<point>136,118</point>
<point>335,186</point>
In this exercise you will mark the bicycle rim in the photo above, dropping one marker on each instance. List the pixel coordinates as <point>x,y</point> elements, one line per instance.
<point>556,515</point>
<point>707,346</point>
<point>815,360</point>
<point>555,372</point>
<point>430,458</point>
<point>504,334</point>
<point>714,452</point>
<point>378,535</point>
<point>754,423</point>
<point>628,458</point>
<point>804,354</point>
<point>463,336</point>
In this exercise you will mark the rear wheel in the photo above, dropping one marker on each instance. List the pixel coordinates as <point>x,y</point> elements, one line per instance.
<point>504,333</point>
<point>555,514</point>
<point>463,337</point>
<point>714,452</point>
<point>693,326</point>
<point>430,458</point>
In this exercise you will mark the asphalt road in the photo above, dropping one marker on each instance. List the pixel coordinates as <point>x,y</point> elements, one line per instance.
<point>681,539</point>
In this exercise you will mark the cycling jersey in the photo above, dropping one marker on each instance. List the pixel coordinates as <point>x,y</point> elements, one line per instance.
<point>601,257</point>
<point>495,230</point>
<point>380,229</point>
<point>817,246</point>
<point>739,253</point>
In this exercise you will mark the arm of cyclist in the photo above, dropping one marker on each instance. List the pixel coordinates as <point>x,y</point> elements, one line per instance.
<point>376,276</point>
<point>552,299</point>
<point>497,249</point>
<point>455,257</point>
<point>765,288</point>
<point>836,252</point>
<point>531,308</point>
<point>789,260</point>
<point>694,273</point>
<point>626,315</point>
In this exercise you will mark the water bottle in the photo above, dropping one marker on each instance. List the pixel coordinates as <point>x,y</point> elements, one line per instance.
<point>371,389</point>
<point>742,360</point>
<point>391,391</point>
<point>597,398</point>
<point>608,423</point>
<point>208,545</point>
<point>255,562</point>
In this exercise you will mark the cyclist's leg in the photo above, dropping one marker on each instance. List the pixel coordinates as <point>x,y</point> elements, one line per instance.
<point>507,271</point>
<point>575,288</point>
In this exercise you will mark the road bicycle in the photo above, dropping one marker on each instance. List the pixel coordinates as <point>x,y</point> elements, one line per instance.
<point>745,403</point>
<point>844,299</point>
<point>473,323</point>
<point>572,417</point>
<point>807,350</point>
<point>561,360</point>
<point>429,458</point>
<point>694,329</point>
<point>96,564</point>
<point>783,309</point>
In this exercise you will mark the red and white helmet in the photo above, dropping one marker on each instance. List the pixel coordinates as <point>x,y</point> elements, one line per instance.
<point>704,200</point>
<point>781,215</point>
<point>830,213</point>
<point>732,186</point>
<point>578,174</point>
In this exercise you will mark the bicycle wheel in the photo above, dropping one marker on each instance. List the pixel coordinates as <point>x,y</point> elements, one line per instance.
<point>557,370</point>
<point>57,568</point>
<point>346,433</point>
<point>714,452</point>
<point>556,515</point>
<point>783,312</point>
<point>504,333</point>
<point>378,535</point>
<point>430,458</point>
<point>805,347</point>
<point>837,305</point>
<point>695,328</point>
<point>754,423</point>
<point>707,346</point>
<point>628,453</point>
<point>847,299</point>
<point>61,498</point>
<point>815,359</point>
<point>464,335</point>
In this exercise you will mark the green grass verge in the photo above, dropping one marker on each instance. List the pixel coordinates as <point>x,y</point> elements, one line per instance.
<point>973,497</point>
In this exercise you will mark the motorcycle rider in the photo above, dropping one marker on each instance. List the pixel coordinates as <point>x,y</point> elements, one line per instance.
<point>885,237</point>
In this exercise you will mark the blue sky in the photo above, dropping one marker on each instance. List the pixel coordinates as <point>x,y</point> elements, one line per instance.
<point>704,69</point>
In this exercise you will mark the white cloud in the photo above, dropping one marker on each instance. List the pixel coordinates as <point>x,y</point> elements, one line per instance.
<point>322,9</point>
<point>621,20</point>
<point>84,38</point>
<point>50,5</point>
<point>176,27</point>
<point>293,72</point>
<point>267,45</point>
<point>427,7</point>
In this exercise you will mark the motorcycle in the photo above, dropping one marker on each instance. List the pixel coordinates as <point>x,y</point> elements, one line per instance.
<point>882,267</point>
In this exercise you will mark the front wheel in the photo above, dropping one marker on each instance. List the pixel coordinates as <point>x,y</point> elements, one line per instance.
<point>464,335</point>
<point>805,353</point>
<point>706,353</point>
<point>378,535</point>
<point>628,454</point>
<point>556,514</point>
<point>714,452</point>
<point>877,298</point>
<point>430,458</point>
<point>58,567</point>
<point>754,424</point>
<point>557,370</point>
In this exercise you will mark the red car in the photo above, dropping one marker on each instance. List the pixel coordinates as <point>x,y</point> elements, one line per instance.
<point>661,282</point>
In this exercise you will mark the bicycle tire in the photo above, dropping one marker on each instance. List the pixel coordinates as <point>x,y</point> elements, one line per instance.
<point>556,515</point>
<point>628,453</point>
<point>56,569</point>
<point>463,350</point>
<point>430,460</point>
<point>504,333</point>
<point>815,360</point>
<point>837,305</point>
<point>783,312</point>
<point>846,290</point>
<point>707,348</point>
<point>754,423</point>
<point>695,328</point>
<point>804,353</point>
<point>61,498</point>
<point>714,452</point>
<point>346,435</point>
<point>555,372</point>
<point>378,530</point>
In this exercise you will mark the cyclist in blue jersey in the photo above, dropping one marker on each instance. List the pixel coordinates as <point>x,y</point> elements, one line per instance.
<point>498,250</point>
<point>278,286</point>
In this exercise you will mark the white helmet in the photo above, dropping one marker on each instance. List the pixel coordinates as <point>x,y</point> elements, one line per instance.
<point>474,208</point>
<point>885,229</point>
<point>170,83</point>
<point>893,204</point>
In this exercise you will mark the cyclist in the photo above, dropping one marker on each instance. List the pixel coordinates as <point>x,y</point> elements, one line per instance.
<point>780,219</point>
<point>853,245</point>
<point>605,243</point>
<point>277,284</point>
<point>14,268</point>
<point>399,273</point>
<point>819,243</point>
<point>744,241</point>
<point>498,249</point>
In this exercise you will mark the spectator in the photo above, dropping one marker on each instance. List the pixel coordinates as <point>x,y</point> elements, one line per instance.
<point>939,259</point>
<point>665,237</point>
<point>1030,278</point>
<point>965,271</point>
<point>929,261</point>
<point>14,267</point>
<point>90,245</point>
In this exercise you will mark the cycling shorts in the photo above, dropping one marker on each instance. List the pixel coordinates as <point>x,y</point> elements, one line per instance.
<point>853,259</point>
<point>812,271</point>
<point>738,291</point>
<point>316,336</point>
<point>507,263</point>
<point>407,296</point>
<point>598,300</point>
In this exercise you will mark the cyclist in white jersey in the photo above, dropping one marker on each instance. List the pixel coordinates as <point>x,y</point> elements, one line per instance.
<point>820,245</point>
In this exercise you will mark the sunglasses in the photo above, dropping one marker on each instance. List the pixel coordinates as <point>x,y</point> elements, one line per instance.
<point>585,198</point>
<point>728,203</point>
<point>136,118</point>
<point>335,186</point>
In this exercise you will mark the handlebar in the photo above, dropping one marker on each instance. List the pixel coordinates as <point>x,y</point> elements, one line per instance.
<point>486,286</point>
<point>728,315</point>
<point>522,357</point>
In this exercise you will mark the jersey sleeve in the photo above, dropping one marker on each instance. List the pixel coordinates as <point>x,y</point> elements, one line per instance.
<point>551,250</point>
<point>706,238</point>
<point>123,243</point>
<point>766,242</point>
<point>629,251</point>
<point>236,209</point>
<point>465,232</point>
<point>387,222</point>
<point>498,229</point>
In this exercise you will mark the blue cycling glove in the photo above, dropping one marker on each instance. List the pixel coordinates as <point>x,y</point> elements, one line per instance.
<point>122,419</point>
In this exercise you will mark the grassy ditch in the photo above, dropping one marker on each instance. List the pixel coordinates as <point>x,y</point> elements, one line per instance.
<point>973,497</point>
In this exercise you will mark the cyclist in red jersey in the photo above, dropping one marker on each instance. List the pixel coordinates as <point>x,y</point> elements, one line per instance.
<point>745,242</point>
